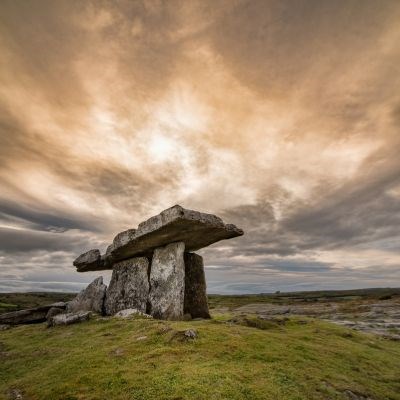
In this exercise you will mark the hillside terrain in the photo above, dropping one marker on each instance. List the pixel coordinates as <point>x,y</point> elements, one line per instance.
<point>280,346</point>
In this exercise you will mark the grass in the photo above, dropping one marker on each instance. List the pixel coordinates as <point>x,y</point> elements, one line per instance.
<point>103,359</point>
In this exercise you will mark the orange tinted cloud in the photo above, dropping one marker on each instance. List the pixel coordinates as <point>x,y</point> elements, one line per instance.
<point>281,116</point>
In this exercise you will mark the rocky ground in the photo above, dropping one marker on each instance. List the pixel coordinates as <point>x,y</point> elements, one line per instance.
<point>380,317</point>
<point>293,346</point>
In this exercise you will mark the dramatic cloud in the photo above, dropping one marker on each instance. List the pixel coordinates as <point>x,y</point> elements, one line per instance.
<point>281,116</point>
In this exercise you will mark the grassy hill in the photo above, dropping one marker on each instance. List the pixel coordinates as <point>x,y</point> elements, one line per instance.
<point>142,359</point>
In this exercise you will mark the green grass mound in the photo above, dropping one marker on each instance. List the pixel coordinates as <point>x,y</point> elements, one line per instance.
<point>145,359</point>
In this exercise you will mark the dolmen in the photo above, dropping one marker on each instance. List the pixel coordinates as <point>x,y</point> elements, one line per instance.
<point>154,267</point>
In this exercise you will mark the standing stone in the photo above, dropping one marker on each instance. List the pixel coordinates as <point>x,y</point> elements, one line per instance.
<point>129,286</point>
<point>195,287</point>
<point>167,282</point>
<point>89,299</point>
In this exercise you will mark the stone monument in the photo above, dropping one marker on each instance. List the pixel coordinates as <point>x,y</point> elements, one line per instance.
<point>155,269</point>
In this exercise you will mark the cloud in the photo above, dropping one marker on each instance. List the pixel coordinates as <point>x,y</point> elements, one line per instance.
<point>281,117</point>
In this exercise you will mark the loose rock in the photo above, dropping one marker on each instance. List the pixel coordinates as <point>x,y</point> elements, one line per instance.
<point>4,327</point>
<point>69,318</point>
<point>131,312</point>
<point>53,312</point>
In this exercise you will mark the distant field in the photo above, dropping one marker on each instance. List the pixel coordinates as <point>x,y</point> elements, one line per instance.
<point>18,301</point>
<point>233,301</point>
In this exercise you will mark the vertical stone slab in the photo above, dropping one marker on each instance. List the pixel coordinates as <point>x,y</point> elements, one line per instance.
<point>196,303</point>
<point>167,282</point>
<point>129,286</point>
<point>89,299</point>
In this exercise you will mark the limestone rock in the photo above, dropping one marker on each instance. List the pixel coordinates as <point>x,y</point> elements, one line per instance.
<point>89,261</point>
<point>129,286</point>
<point>54,311</point>
<point>167,282</point>
<point>69,318</point>
<point>131,312</point>
<point>196,303</point>
<point>191,333</point>
<point>59,304</point>
<point>29,316</point>
<point>4,327</point>
<point>176,224</point>
<point>89,299</point>
<point>184,336</point>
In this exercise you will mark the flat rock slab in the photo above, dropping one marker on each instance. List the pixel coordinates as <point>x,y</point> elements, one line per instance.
<point>89,261</point>
<point>30,316</point>
<point>167,282</point>
<point>176,224</point>
<point>129,286</point>
<point>68,319</point>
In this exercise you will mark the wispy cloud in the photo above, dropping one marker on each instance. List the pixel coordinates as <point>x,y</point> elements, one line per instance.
<point>282,117</point>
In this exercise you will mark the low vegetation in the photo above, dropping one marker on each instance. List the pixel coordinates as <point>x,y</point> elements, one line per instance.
<point>142,359</point>
<point>234,356</point>
<point>234,301</point>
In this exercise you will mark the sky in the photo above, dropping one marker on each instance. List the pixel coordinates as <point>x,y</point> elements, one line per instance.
<point>282,117</point>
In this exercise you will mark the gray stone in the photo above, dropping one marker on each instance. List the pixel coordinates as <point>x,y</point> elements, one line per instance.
<point>54,311</point>
<point>184,336</point>
<point>69,318</point>
<point>131,312</point>
<point>89,299</point>
<point>59,304</point>
<point>4,327</point>
<point>196,303</point>
<point>191,333</point>
<point>89,261</point>
<point>29,316</point>
<point>176,224</point>
<point>167,282</point>
<point>129,286</point>
<point>15,394</point>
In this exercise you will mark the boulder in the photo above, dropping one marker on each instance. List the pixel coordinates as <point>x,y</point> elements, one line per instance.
<point>167,282</point>
<point>196,303</point>
<point>69,318</point>
<point>129,286</point>
<point>176,224</point>
<point>89,299</point>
